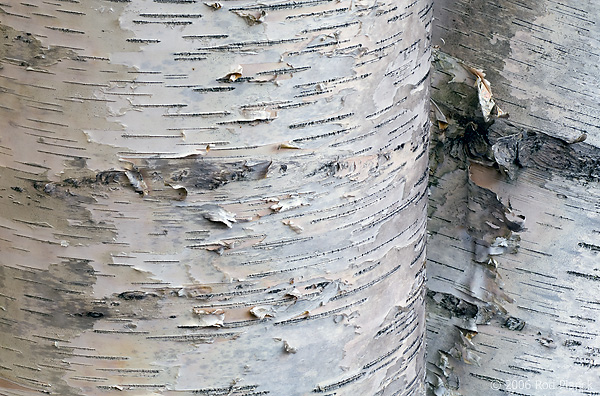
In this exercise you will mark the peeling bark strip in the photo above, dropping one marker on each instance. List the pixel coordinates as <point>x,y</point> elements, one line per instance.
<point>213,198</point>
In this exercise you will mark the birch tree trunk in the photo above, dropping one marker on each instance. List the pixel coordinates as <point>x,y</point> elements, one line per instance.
<point>213,198</point>
<point>514,237</point>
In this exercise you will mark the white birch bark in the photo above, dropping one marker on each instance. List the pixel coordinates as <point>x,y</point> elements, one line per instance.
<point>523,300</point>
<point>213,198</point>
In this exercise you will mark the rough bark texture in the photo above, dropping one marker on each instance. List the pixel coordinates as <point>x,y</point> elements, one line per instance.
<point>207,198</point>
<point>514,239</point>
